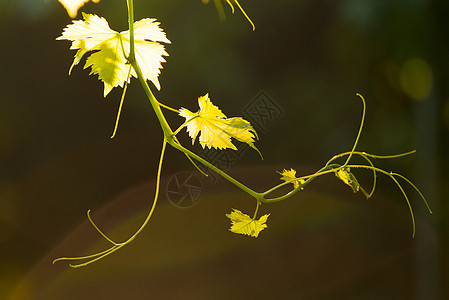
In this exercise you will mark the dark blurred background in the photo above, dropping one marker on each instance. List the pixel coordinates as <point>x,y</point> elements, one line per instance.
<point>310,58</point>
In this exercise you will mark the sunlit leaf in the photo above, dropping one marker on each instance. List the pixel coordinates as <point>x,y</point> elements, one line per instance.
<point>110,61</point>
<point>72,6</point>
<point>349,179</point>
<point>288,175</point>
<point>216,129</point>
<point>243,224</point>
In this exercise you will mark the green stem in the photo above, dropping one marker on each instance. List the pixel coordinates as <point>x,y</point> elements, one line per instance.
<point>132,54</point>
<point>310,178</point>
<point>184,124</point>
<point>168,133</point>
<point>325,170</point>
<point>217,170</point>
<point>257,209</point>
<point>132,60</point>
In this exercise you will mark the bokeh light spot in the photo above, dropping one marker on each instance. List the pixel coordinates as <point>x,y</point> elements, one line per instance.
<point>416,78</point>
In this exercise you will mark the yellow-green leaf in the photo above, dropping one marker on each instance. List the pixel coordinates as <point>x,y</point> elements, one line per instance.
<point>243,224</point>
<point>288,175</point>
<point>110,62</point>
<point>349,179</point>
<point>215,128</point>
<point>72,6</point>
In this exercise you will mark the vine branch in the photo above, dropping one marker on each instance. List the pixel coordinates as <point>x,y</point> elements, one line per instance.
<point>169,137</point>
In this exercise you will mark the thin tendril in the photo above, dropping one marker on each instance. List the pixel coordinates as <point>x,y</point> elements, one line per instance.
<point>84,257</point>
<point>370,155</point>
<point>374,176</point>
<point>360,130</point>
<point>184,125</point>
<point>121,104</point>
<point>117,246</point>
<point>230,4</point>
<point>168,107</point>
<point>244,13</point>
<point>408,203</point>
<point>390,156</point>
<point>391,175</point>
<point>416,189</point>
<point>191,160</point>
<point>123,48</point>
<point>99,231</point>
<point>196,166</point>
<point>110,251</point>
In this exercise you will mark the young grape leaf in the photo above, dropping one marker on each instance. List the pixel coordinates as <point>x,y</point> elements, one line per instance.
<point>72,6</point>
<point>349,179</point>
<point>110,62</point>
<point>288,175</point>
<point>216,129</point>
<point>243,224</point>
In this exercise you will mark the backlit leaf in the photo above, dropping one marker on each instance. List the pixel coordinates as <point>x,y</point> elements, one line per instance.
<point>72,6</point>
<point>349,179</point>
<point>216,129</point>
<point>288,175</point>
<point>243,224</point>
<point>110,62</point>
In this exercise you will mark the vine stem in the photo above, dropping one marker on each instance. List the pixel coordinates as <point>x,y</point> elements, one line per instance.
<point>132,53</point>
<point>170,138</point>
<point>257,209</point>
<point>168,132</point>
<point>231,179</point>
<point>132,60</point>
<point>322,171</point>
